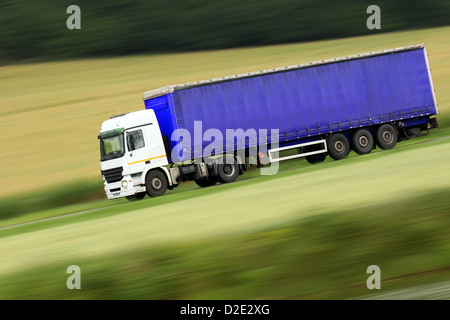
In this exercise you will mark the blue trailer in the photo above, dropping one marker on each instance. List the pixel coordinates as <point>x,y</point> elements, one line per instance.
<point>322,108</point>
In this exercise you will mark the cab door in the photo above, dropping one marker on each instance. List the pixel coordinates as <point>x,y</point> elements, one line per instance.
<point>138,151</point>
<point>145,148</point>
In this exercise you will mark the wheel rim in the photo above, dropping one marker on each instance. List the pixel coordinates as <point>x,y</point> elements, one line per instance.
<point>339,146</point>
<point>363,141</point>
<point>388,137</point>
<point>228,169</point>
<point>156,183</point>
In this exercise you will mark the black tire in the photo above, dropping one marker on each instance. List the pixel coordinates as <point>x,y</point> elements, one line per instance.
<point>136,197</point>
<point>156,183</point>
<point>362,141</point>
<point>228,170</point>
<point>386,136</point>
<point>338,146</point>
<point>206,182</point>
<point>316,158</point>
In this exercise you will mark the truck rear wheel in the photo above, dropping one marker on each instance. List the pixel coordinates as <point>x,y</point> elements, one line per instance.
<point>338,146</point>
<point>362,141</point>
<point>386,136</point>
<point>156,183</point>
<point>228,170</point>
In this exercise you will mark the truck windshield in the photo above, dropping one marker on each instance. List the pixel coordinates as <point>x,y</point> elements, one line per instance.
<point>111,147</point>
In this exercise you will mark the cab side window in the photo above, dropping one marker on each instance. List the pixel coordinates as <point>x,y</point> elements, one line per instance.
<point>135,140</point>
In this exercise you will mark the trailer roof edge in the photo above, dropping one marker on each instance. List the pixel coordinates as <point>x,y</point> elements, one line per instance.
<point>171,88</point>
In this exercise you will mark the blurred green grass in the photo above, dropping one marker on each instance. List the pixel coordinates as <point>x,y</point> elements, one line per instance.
<point>308,232</point>
<point>321,256</point>
<point>58,196</point>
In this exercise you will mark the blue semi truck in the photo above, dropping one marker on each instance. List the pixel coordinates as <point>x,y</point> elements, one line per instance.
<point>208,130</point>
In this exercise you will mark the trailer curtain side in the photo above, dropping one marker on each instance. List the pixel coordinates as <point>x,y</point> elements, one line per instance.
<point>303,102</point>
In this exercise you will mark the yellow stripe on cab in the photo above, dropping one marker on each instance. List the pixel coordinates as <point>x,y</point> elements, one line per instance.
<point>147,159</point>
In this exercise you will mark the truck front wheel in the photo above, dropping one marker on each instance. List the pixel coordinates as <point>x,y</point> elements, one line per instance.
<point>156,183</point>
<point>338,146</point>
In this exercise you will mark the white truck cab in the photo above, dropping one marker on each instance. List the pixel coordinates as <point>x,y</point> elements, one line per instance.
<point>131,146</point>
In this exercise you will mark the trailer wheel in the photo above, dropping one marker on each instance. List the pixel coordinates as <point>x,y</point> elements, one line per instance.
<point>338,146</point>
<point>362,141</point>
<point>228,170</point>
<point>156,183</point>
<point>206,182</point>
<point>386,136</point>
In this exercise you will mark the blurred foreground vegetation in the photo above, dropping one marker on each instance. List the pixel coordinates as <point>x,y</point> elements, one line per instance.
<point>318,257</point>
<point>307,232</point>
<point>53,197</point>
<point>38,29</point>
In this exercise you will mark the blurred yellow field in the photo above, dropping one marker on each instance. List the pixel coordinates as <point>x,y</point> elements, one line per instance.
<point>51,112</point>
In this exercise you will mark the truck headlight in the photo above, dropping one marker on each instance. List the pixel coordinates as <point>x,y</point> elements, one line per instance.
<point>124,183</point>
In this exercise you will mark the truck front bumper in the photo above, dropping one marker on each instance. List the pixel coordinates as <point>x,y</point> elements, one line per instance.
<point>117,190</point>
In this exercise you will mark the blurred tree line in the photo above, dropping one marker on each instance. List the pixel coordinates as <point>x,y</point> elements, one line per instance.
<point>37,29</point>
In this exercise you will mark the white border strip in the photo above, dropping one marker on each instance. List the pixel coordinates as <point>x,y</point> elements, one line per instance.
<point>433,90</point>
<point>299,155</point>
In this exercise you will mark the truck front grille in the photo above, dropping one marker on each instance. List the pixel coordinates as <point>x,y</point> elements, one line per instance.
<point>113,175</point>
